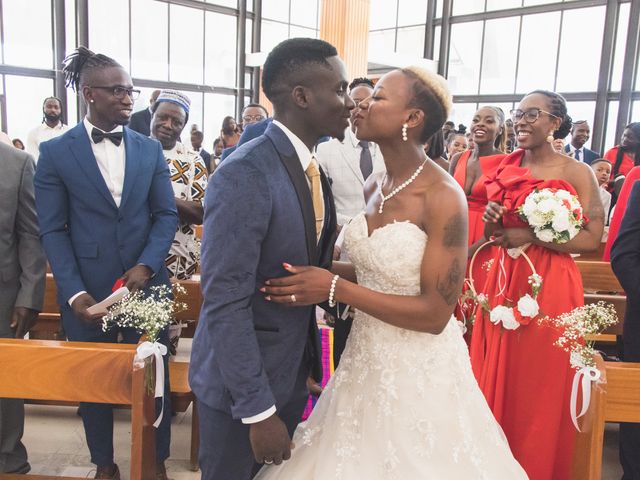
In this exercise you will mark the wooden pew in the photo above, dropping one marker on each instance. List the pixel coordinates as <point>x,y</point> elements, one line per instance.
<point>586,454</point>
<point>600,283</point>
<point>597,276</point>
<point>617,399</point>
<point>48,327</point>
<point>84,372</point>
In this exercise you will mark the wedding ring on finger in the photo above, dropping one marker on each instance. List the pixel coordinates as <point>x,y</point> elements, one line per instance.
<point>268,461</point>
<point>293,298</point>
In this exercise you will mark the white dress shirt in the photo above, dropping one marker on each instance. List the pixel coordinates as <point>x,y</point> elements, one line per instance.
<point>306,157</point>
<point>42,133</point>
<point>111,161</point>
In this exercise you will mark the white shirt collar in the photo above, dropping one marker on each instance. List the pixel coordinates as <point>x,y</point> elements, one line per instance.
<point>304,154</point>
<point>90,126</point>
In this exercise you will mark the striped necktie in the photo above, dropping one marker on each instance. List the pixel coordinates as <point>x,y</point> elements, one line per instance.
<point>313,174</point>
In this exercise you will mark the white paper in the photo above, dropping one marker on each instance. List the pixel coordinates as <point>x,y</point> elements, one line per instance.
<point>101,307</point>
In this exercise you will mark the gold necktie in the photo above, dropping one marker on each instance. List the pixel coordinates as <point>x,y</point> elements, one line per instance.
<point>313,174</point>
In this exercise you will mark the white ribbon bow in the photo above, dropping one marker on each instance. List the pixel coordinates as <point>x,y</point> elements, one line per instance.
<point>145,350</point>
<point>588,374</point>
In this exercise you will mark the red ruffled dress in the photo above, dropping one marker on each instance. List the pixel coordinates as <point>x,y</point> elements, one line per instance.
<point>477,202</point>
<point>525,378</point>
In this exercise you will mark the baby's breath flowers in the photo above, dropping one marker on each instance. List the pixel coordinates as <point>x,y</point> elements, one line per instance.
<point>575,327</point>
<point>148,312</point>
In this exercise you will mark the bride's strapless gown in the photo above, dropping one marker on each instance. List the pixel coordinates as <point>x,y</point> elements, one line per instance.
<point>402,405</point>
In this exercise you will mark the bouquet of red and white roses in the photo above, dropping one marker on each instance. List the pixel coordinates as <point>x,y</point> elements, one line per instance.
<point>554,214</point>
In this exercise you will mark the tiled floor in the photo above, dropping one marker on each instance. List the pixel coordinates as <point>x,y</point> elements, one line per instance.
<point>55,439</point>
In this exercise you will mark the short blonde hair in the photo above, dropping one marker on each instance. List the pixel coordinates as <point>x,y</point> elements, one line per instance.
<point>430,94</point>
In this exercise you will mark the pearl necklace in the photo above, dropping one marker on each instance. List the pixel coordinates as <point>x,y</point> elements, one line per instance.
<point>400,187</point>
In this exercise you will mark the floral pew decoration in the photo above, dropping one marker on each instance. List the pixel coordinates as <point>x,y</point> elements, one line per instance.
<point>148,312</point>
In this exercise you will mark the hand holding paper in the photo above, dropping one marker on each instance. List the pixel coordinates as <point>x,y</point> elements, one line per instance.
<point>101,307</point>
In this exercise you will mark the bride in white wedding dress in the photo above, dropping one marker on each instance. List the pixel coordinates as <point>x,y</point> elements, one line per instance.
<point>404,403</point>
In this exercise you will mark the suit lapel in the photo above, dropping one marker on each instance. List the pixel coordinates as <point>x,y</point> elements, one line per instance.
<point>328,235</point>
<point>131,163</point>
<point>81,150</point>
<point>350,153</point>
<point>299,180</point>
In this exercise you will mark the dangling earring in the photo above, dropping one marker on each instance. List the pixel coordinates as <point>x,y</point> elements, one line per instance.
<point>550,138</point>
<point>404,132</point>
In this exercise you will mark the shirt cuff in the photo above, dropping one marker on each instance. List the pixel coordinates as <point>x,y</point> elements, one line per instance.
<point>75,296</point>
<point>260,417</point>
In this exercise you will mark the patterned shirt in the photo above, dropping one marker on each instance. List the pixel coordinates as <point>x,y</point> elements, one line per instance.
<point>189,179</point>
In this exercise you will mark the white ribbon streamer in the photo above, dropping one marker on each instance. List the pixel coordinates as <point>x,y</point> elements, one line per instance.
<point>145,350</point>
<point>588,374</point>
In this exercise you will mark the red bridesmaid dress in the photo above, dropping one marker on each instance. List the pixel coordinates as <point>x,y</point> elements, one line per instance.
<point>621,207</point>
<point>477,202</point>
<point>525,378</point>
<point>626,165</point>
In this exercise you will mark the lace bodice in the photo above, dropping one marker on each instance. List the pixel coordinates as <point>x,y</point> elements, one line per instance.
<point>402,404</point>
<point>389,260</point>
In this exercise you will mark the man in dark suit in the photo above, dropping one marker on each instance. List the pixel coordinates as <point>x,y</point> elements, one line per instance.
<point>196,142</point>
<point>141,121</point>
<point>22,269</point>
<point>268,203</point>
<point>107,211</point>
<point>625,261</point>
<point>580,133</point>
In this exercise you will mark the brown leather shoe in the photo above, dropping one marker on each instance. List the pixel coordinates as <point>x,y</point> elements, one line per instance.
<point>109,473</point>
<point>161,472</point>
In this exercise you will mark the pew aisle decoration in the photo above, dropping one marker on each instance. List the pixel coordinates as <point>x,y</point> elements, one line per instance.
<point>555,215</point>
<point>511,314</point>
<point>149,312</point>
<point>576,329</point>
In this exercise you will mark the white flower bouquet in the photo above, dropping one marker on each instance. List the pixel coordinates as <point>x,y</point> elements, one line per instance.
<point>577,326</point>
<point>147,313</point>
<point>554,214</point>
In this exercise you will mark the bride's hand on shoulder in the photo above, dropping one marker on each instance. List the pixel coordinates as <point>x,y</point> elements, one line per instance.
<point>304,286</point>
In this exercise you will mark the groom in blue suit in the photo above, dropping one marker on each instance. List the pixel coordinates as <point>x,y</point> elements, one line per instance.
<point>268,203</point>
<point>106,211</point>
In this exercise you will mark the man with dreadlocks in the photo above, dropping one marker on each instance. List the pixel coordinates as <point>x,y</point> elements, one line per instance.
<point>52,125</point>
<point>107,213</point>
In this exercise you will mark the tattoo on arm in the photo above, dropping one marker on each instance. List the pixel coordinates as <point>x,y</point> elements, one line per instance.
<point>455,232</point>
<point>449,286</point>
<point>595,210</point>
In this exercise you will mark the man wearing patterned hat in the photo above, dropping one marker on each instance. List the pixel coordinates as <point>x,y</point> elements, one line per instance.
<point>170,114</point>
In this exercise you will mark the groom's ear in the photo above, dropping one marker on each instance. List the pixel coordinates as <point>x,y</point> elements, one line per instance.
<point>300,96</point>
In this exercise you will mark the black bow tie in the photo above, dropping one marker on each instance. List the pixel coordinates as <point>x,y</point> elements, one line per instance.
<point>98,135</point>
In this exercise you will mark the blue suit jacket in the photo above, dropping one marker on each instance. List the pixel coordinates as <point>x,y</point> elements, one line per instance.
<point>589,155</point>
<point>89,241</point>
<point>625,261</point>
<point>258,214</point>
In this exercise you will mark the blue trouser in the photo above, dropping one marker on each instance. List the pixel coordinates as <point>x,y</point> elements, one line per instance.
<point>225,450</point>
<point>98,417</point>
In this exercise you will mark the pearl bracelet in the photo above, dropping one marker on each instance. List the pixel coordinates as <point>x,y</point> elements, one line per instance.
<point>332,291</point>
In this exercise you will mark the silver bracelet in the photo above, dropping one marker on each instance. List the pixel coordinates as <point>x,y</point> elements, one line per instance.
<point>332,291</point>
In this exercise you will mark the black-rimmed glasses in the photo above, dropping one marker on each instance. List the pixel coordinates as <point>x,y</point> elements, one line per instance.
<point>530,116</point>
<point>120,92</point>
